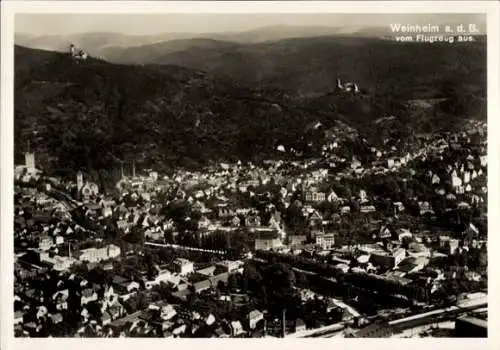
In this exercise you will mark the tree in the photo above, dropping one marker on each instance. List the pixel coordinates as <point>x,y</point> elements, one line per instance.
<point>94,309</point>
<point>232,283</point>
<point>252,278</point>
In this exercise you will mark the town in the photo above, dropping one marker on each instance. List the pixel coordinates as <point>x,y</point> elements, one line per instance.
<point>388,243</point>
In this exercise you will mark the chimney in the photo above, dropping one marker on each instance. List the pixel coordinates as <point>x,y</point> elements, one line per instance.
<point>133,168</point>
<point>284,323</point>
<point>123,174</point>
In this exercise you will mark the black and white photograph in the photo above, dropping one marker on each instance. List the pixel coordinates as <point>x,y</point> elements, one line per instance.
<point>249,175</point>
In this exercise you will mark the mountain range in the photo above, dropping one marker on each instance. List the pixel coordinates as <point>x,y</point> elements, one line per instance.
<point>95,42</point>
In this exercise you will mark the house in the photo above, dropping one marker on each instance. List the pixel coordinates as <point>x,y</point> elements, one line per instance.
<point>313,195</point>
<point>315,219</point>
<point>45,242</point>
<point>418,250</point>
<point>456,182</point>
<point>355,164</point>
<point>404,233</point>
<point>56,318</point>
<point>332,197</point>
<point>425,208</point>
<point>221,333</point>
<point>467,177</point>
<point>266,240</point>
<point>124,288</point>
<point>93,254</point>
<point>183,266</point>
<point>167,312</point>
<point>179,330</point>
<point>254,317</point>
<point>435,179</point>
<point>300,325</point>
<point>388,259</point>
<point>367,209</point>
<point>483,160</point>
<point>345,210</point>
<point>88,190</point>
<point>116,311</point>
<point>471,232</point>
<point>88,295</point>
<point>224,212</point>
<point>384,232</point>
<point>236,328</point>
<point>200,207</point>
<point>209,320</point>
<point>202,285</point>
<point>363,196</point>
<point>229,265</point>
<point>204,223</point>
<point>18,317</point>
<point>325,241</point>
<point>106,318</point>
<point>296,240</point>
<point>252,220</point>
<point>463,205</point>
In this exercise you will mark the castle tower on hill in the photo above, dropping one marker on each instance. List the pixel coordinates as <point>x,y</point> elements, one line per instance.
<point>339,85</point>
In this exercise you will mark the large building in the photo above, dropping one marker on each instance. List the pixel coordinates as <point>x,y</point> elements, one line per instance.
<point>313,195</point>
<point>325,241</point>
<point>389,259</point>
<point>183,266</point>
<point>267,240</point>
<point>99,254</point>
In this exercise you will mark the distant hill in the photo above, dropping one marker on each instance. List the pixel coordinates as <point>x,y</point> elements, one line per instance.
<point>149,53</point>
<point>307,59</point>
<point>311,65</point>
<point>96,42</point>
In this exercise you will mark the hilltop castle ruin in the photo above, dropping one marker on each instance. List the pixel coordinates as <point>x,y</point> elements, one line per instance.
<point>77,53</point>
<point>348,87</point>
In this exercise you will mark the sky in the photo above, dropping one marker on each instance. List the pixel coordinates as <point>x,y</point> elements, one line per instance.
<point>148,24</point>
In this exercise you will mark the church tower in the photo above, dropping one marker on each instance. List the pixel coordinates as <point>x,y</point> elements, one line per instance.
<point>79,182</point>
<point>29,159</point>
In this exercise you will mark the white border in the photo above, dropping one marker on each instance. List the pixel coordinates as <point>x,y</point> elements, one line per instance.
<point>8,9</point>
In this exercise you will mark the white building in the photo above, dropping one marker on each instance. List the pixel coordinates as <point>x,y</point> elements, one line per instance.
<point>325,241</point>
<point>98,254</point>
<point>183,266</point>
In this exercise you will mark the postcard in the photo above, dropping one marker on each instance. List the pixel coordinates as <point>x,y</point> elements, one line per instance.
<point>268,170</point>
